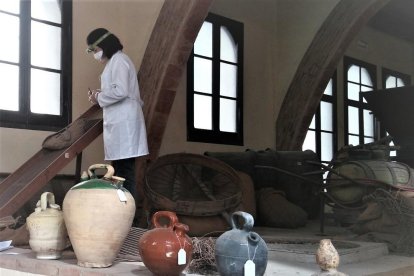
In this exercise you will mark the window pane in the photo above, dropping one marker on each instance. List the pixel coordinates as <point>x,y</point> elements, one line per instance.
<point>45,45</point>
<point>10,6</point>
<point>353,140</point>
<point>390,82</point>
<point>353,120</point>
<point>326,146</point>
<point>310,142</point>
<point>49,10</point>
<point>228,80</point>
<point>204,43</point>
<point>365,89</point>
<point>9,28</point>
<point>228,48</point>
<point>353,91</point>
<point>326,116</point>
<point>393,153</point>
<point>228,115</point>
<point>400,82</point>
<point>203,112</point>
<point>329,88</point>
<point>45,85</point>
<point>312,124</point>
<point>365,77</point>
<point>353,73</point>
<point>9,94</point>
<point>202,75</point>
<point>368,140</point>
<point>368,123</point>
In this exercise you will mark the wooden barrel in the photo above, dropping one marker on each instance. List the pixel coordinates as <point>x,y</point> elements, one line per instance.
<point>371,174</point>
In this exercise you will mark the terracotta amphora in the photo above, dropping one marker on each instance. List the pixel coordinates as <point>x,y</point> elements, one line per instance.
<point>48,235</point>
<point>98,215</point>
<point>166,250</point>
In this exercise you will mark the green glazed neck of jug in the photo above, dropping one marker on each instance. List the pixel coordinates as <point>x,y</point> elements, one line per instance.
<point>95,184</point>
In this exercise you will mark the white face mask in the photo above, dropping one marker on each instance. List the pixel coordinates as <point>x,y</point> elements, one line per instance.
<point>98,55</point>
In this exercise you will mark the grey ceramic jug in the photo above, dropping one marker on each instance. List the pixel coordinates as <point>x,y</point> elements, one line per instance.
<point>235,247</point>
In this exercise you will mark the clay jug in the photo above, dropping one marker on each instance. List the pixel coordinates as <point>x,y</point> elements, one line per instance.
<point>98,215</point>
<point>47,229</point>
<point>166,250</point>
<point>241,249</point>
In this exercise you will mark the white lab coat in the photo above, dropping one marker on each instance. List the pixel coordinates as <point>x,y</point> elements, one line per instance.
<point>124,130</point>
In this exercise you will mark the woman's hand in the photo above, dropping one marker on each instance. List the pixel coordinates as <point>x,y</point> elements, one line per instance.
<point>93,96</point>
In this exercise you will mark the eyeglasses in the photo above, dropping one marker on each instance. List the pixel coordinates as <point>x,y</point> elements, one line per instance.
<point>92,47</point>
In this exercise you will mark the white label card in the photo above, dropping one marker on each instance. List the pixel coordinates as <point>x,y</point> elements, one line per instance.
<point>121,195</point>
<point>249,268</point>
<point>182,257</point>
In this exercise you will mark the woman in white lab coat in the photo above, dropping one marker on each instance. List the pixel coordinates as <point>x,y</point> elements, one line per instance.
<point>124,132</point>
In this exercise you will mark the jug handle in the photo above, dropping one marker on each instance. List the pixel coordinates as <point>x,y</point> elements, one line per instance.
<point>45,198</point>
<point>248,220</point>
<point>170,215</point>
<point>109,168</point>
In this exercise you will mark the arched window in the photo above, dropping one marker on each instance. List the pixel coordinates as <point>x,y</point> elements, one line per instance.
<point>215,83</point>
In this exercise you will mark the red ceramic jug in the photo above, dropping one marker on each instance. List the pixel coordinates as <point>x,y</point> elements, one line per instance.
<point>166,250</point>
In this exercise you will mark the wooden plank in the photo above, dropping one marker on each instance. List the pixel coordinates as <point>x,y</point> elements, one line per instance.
<point>35,173</point>
<point>317,66</point>
<point>12,178</point>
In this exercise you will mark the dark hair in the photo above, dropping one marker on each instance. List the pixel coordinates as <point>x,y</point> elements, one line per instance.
<point>110,45</point>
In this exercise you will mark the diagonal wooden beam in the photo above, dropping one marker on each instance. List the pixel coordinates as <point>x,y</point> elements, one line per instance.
<point>36,172</point>
<point>317,66</point>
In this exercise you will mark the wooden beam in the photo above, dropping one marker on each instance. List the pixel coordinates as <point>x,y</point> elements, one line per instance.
<point>36,172</point>
<point>165,61</point>
<point>317,66</point>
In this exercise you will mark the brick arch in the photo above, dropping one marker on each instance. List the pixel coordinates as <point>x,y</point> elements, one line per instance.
<point>317,66</point>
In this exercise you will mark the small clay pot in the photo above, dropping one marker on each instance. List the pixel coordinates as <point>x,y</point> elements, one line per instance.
<point>159,248</point>
<point>47,229</point>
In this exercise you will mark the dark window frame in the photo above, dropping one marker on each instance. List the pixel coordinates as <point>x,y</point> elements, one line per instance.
<point>24,119</point>
<point>372,71</point>
<point>215,135</point>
